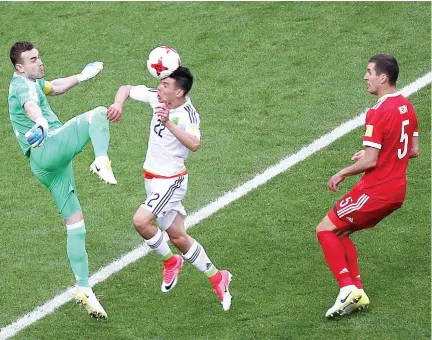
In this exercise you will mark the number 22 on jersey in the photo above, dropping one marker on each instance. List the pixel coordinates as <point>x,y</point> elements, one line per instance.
<point>158,128</point>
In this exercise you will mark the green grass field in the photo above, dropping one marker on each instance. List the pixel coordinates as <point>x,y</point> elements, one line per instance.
<point>270,78</point>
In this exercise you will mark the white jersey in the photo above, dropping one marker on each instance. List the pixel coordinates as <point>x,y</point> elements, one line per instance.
<point>166,155</point>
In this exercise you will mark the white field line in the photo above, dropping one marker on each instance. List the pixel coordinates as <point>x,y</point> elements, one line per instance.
<point>142,250</point>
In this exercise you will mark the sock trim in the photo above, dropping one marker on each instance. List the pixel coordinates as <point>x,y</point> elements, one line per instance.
<point>211,272</point>
<point>195,253</point>
<point>168,256</point>
<point>76,225</point>
<point>156,240</point>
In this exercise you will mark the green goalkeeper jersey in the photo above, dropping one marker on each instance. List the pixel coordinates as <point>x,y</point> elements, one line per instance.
<point>22,90</point>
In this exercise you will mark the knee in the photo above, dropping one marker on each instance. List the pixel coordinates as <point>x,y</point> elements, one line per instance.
<point>100,110</point>
<point>98,114</point>
<point>73,218</point>
<point>325,225</point>
<point>141,224</point>
<point>319,227</point>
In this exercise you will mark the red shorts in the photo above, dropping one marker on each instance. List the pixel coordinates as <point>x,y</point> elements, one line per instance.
<point>356,211</point>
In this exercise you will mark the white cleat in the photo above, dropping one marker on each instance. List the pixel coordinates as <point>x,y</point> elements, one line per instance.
<point>86,298</point>
<point>363,303</point>
<point>102,167</point>
<point>346,302</point>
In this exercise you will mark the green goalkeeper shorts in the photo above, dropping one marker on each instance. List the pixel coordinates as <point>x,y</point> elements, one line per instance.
<point>51,163</point>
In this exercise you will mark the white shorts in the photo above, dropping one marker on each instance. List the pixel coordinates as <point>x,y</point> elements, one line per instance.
<point>164,196</point>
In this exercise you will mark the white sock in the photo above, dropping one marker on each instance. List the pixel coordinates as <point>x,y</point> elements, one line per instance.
<point>197,256</point>
<point>101,158</point>
<point>346,289</point>
<point>86,290</point>
<point>158,244</point>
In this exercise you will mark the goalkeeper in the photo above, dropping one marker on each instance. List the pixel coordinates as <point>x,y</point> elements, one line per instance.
<point>50,147</point>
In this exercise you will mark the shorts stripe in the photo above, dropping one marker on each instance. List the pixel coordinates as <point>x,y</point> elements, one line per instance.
<point>165,199</point>
<point>362,200</point>
<point>351,204</point>
<point>360,203</point>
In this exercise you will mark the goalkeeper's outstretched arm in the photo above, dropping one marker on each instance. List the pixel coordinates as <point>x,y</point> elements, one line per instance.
<point>62,85</point>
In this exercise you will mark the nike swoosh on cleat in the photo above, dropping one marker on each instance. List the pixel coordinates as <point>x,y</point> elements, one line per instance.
<point>346,297</point>
<point>97,169</point>
<point>170,285</point>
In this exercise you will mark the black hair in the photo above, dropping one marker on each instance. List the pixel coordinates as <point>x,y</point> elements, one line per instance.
<point>183,78</point>
<point>17,49</point>
<point>387,64</point>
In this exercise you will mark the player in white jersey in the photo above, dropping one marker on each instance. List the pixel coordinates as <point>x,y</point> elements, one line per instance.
<point>174,130</point>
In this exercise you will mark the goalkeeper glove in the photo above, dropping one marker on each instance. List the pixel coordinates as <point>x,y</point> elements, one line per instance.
<point>37,134</point>
<point>89,71</point>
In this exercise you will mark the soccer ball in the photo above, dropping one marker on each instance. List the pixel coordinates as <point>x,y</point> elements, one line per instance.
<point>163,61</point>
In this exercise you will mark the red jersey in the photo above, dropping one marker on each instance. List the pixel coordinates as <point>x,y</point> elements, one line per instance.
<point>390,126</point>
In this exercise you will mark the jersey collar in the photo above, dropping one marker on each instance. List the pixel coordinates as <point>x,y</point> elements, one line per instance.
<point>384,97</point>
<point>188,101</point>
<point>15,75</point>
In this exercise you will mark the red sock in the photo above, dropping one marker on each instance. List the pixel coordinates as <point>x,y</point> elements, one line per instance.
<point>335,257</point>
<point>171,262</point>
<point>351,259</point>
<point>216,278</point>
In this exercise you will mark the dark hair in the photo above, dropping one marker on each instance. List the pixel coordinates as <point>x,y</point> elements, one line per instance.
<point>387,64</point>
<point>183,78</point>
<point>18,48</point>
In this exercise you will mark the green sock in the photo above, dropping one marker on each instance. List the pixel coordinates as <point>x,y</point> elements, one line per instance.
<point>99,132</point>
<point>211,272</point>
<point>167,256</point>
<point>77,255</point>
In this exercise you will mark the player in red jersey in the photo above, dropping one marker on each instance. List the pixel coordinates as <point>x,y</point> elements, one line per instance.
<point>390,140</point>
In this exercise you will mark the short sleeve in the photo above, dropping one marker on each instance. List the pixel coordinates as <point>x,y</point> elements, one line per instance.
<point>416,129</point>
<point>374,129</point>
<point>41,82</point>
<point>25,91</point>
<point>143,94</point>
<point>192,124</point>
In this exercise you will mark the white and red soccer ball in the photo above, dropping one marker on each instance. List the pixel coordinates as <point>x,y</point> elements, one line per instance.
<point>163,61</point>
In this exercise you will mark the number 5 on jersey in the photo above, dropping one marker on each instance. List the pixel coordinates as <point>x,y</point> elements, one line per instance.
<point>403,139</point>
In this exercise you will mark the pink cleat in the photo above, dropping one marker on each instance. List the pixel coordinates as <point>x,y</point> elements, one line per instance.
<point>170,274</point>
<point>221,289</point>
